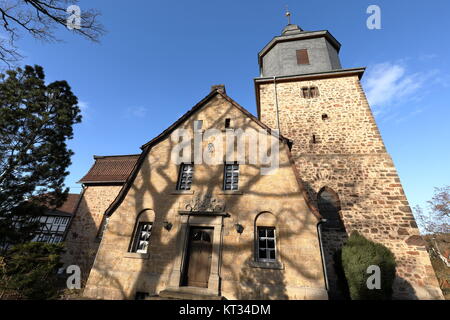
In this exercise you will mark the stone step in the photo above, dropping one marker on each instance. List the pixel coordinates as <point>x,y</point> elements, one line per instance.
<point>187,295</point>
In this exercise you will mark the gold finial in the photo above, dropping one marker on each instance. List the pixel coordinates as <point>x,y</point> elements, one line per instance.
<point>288,15</point>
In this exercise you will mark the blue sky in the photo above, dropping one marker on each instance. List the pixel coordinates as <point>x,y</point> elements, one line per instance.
<point>160,57</point>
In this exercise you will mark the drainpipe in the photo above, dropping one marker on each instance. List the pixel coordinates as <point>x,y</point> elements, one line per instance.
<point>324,265</point>
<point>276,104</point>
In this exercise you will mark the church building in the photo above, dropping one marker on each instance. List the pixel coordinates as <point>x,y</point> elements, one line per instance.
<point>148,225</point>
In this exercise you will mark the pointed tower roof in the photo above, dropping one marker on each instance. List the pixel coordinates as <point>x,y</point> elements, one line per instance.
<point>280,57</point>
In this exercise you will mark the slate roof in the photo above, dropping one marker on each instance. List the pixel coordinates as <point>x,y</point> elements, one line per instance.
<point>110,169</point>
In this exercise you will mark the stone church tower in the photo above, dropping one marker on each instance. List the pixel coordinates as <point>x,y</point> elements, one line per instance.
<point>305,93</point>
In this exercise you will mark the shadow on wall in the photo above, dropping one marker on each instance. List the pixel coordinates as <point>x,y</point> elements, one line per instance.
<point>333,237</point>
<point>149,276</point>
<point>82,240</point>
<point>403,290</point>
<point>262,284</point>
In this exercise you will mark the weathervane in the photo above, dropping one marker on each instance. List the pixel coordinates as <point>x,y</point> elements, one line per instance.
<point>288,15</point>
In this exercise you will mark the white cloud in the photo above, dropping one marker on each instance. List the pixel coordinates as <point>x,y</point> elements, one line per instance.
<point>137,112</point>
<point>388,83</point>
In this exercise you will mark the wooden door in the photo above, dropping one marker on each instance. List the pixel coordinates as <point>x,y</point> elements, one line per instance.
<point>198,260</point>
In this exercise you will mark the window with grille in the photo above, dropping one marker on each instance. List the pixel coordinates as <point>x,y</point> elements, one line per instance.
<point>142,237</point>
<point>185,177</point>
<point>266,244</point>
<point>231,177</point>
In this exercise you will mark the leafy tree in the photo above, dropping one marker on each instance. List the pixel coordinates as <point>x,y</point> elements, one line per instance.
<point>30,271</point>
<point>358,254</point>
<point>437,219</point>
<point>40,18</point>
<point>36,120</point>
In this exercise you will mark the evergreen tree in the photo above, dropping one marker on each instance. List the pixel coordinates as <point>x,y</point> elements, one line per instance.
<point>36,120</point>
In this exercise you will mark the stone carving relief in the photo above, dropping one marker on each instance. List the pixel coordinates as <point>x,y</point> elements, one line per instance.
<point>206,204</point>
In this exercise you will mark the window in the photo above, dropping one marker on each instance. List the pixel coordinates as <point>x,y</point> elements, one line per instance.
<point>198,125</point>
<point>313,92</point>
<point>305,93</point>
<point>266,244</point>
<point>185,177</point>
<point>142,237</point>
<point>302,56</point>
<point>227,123</point>
<point>231,177</point>
<point>325,117</point>
<point>310,92</point>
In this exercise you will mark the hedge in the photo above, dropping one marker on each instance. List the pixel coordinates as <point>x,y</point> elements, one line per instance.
<point>358,254</point>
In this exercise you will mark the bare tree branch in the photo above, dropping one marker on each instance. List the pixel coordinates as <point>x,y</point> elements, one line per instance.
<point>437,219</point>
<point>40,19</point>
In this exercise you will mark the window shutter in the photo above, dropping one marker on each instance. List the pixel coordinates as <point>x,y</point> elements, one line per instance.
<point>302,56</point>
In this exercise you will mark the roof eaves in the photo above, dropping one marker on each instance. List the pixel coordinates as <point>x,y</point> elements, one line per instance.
<point>180,120</point>
<point>101,182</point>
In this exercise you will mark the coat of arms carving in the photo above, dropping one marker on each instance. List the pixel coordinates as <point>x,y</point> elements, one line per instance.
<point>204,204</point>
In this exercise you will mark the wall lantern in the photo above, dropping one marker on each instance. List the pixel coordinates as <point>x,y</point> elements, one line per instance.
<point>239,228</point>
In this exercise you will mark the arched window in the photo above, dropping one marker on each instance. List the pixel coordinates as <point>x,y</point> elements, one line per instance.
<point>266,238</point>
<point>140,240</point>
<point>330,207</point>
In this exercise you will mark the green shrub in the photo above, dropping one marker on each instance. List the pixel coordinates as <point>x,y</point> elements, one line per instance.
<point>29,271</point>
<point>358,254</point>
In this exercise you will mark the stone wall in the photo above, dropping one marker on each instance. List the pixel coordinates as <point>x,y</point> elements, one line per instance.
<point>119,274</point>
<point>81,241</point>
<point>347,154</point>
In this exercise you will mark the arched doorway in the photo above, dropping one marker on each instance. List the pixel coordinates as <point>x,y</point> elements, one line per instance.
<point>333,236</point>
<point>330,208</point>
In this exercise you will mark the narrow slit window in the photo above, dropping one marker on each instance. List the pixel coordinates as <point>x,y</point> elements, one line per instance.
<point>142,237</point>
<point>266,244</point>
<point>227,123</point>
<point>231,177</point>
<point>185,176</point>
